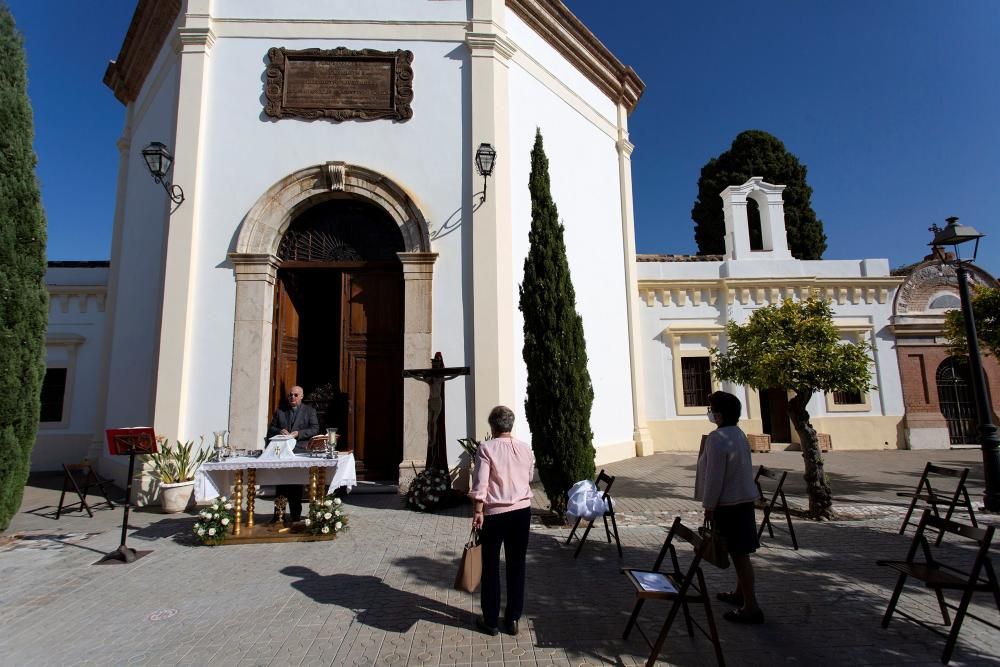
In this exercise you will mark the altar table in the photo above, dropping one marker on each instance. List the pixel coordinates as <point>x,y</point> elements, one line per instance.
<point>215,478</point>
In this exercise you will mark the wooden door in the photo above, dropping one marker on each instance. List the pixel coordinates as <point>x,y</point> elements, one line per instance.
<point>371,369</point>
<point>774,414</point>
<point>284,344</point>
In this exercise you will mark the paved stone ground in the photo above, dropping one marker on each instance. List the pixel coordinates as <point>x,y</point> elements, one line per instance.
<point>380,594</point>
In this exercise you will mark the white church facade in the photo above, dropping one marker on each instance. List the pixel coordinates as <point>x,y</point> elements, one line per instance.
<point>333,244</point>
<point>686,302</point>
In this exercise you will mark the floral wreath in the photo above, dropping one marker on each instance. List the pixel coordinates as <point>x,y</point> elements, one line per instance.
<point>427,489</point>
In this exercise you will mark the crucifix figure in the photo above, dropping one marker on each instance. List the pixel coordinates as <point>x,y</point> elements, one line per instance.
<point>435,377</point>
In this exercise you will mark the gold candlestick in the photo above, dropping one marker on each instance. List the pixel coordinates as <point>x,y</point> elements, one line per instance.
<point>251,494</point>
<point>238,501</point>
<point>320,482</point>
<point>312,483</point>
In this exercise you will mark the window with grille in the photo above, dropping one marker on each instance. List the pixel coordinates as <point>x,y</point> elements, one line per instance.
<point>697,381</point>
<point>847,398</point>
<point>53,393</point>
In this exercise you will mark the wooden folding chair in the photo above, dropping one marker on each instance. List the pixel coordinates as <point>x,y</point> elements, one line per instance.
<point>76,474</point>
<point>941,577</point>
<point>927,494</point>
<point>675,586</point>
<point>768,505</point>
<point>607,480</point>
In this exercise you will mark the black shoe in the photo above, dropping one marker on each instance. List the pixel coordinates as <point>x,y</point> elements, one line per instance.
<point>492,631</point>
<point>511,628</point>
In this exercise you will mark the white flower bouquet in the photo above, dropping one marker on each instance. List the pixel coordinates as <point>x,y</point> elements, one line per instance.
<point>326,516</point>
<point>215,521</point>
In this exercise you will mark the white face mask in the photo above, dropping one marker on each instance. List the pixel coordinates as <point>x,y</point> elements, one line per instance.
<point>711,416</point>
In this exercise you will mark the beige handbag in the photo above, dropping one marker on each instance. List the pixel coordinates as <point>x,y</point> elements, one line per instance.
<point>470,571</point>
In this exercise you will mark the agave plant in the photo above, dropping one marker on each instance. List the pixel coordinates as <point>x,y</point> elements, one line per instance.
<point>178,464</point>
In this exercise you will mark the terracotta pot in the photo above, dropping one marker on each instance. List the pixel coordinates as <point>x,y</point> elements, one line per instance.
<point>176,497</point>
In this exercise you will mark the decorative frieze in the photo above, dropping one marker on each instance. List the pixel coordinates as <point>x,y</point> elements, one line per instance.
<point>856,291</point>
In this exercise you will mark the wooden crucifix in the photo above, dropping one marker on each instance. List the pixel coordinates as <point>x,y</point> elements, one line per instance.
<point>435,377</point>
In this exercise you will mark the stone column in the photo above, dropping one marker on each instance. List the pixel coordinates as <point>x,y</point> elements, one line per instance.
<point>640,431</point>
<point>194,40</point>
<point>493,282</point>
<point>252,332</point>
<point>418,283</point>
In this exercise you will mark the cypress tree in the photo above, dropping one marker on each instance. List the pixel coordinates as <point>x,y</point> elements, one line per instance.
<point>559,392</point>
<point>23,297</point>
<point>757,153</point>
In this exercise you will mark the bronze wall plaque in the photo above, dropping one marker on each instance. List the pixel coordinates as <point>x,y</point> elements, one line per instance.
<point>339,84</point>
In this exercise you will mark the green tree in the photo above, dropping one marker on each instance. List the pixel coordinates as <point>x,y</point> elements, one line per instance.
<point>23,297</point>
<point>795,346</point>
<point>986,313</point>
<point>559,392</point>
<point>757,153</point>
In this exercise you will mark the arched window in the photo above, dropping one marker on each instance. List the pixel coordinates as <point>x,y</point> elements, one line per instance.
<point>957,405</point>
<point>945,302</point>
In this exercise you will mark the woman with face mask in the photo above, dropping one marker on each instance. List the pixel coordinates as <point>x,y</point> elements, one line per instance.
<point>724,485</point>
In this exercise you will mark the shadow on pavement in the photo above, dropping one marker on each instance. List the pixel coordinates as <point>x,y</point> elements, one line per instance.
<point>377,604</point>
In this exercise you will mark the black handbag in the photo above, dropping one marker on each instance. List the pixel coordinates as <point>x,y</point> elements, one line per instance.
<point>713,545</point>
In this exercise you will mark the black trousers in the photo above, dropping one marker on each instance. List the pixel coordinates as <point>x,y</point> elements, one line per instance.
<point>509,529</point>
<point>294,494</point>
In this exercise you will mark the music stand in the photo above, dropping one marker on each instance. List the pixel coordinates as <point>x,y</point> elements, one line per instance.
<point>121,442</point>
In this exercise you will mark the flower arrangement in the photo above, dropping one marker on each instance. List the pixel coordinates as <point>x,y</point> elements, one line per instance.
<point>326,516</point>
<point>428,489</point>
<point>214,521</point>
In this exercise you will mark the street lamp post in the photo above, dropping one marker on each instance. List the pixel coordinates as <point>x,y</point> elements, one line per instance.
<point>954,235</point>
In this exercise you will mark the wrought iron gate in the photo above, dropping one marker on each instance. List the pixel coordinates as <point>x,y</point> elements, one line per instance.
<point>957,403</point>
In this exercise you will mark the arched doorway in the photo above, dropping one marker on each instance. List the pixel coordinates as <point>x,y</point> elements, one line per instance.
<point>338,328</point>
<point>282,215</point>
<point>954,388</point>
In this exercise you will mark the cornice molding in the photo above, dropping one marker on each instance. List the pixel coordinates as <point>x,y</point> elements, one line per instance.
<point>146,35</point>
<point>558,26</point>
<point>493,42</point>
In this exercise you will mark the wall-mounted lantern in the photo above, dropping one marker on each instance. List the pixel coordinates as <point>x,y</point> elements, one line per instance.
<point>486,158</point>
<point>158,161</point>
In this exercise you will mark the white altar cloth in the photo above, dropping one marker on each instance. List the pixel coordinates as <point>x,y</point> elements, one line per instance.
<point>214,476</point>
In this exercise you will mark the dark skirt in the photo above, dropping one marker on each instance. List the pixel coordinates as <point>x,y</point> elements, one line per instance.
<point>738,524</point>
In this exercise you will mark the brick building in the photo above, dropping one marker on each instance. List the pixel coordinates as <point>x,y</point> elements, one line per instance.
<point>937,391</point>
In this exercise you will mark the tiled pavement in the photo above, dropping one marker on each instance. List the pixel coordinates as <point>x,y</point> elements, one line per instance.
<point>381,595</point>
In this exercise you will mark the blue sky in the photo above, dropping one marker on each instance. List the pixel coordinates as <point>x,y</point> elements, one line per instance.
<point>892,104</point>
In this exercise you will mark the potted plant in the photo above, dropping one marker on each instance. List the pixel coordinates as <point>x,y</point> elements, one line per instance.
<point>174,469</point>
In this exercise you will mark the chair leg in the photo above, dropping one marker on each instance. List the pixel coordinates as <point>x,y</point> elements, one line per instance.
<point>632,618</point>
<point>607,531</point>
<point>909,510</point>
<point>893,600</point>
<point>788,518</point>
<point>968,506</point>
<point>963,606</point>
<point>618,541</point>
<point>62,497</point>
<point>573,532</point>
<point>943,605</point>
<point>658,646</point>
<point>713,632</point>
<point>583,538</point>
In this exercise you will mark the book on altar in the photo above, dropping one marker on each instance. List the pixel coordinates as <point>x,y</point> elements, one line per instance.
<point>279,447</point>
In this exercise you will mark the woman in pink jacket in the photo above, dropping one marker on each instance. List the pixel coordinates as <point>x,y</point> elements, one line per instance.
<point>501,495</point>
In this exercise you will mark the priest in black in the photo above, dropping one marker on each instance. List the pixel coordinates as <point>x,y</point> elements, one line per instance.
<point>299,421</point>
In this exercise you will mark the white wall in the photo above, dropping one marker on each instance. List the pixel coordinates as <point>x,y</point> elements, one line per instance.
<point>139,264</point>
<point>583,168</point>
<point>868,312</point>
<point>75,341</point>
<point>245,153</point>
